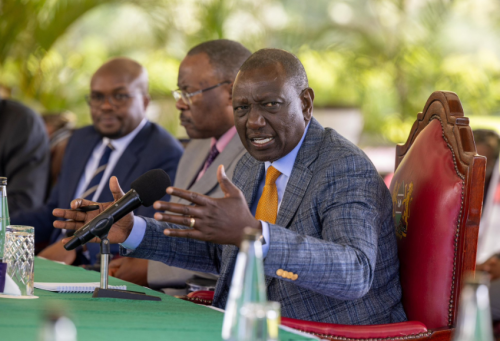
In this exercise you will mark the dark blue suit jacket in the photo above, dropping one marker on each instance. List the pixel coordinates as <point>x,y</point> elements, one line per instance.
<point>153,147</point>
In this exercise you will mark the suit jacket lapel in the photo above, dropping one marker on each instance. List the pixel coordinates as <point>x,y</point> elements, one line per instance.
<point>196,162</point>
<point>130,157</point>
<point>251,185</point>
<point>301,174</point>
<point>84,149</point>
<point>226,158</point>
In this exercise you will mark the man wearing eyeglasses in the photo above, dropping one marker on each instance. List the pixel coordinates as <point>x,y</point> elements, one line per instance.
<point>330,252</point>
<point>121,142</point>
<point>205,103</point>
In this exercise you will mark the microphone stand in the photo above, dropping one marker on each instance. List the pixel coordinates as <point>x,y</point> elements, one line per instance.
<point>105,251</point>
<point>104,292</point>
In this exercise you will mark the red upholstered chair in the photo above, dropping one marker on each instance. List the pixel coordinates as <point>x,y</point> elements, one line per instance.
<point>437,193</point>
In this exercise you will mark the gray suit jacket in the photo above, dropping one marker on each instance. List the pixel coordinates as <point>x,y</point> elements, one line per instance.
<point>161,275</point>
<point>334,230</point>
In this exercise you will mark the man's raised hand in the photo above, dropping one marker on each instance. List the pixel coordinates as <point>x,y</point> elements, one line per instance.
<point>118,233</point>
<point>219,221</point>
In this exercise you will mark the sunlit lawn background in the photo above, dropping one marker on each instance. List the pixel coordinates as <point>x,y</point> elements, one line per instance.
<point>379,58</point>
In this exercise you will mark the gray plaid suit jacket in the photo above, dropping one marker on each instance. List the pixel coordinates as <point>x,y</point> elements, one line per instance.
<point>334,230</point>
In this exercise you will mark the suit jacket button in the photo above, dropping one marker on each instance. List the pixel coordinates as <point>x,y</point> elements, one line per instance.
<point>295,276</point>
<point>279,272</point>
<point>285,274</point>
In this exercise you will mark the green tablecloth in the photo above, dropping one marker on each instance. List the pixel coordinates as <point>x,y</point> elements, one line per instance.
<point>107,318</point>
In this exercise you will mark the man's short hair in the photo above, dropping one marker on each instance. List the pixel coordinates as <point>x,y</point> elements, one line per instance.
<point>294,69</point>
<point>226,56</point>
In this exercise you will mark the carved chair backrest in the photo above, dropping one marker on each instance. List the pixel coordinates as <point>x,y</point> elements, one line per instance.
<point>437,193</point>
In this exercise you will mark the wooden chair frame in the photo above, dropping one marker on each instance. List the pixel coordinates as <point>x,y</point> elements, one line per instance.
<point>446,106</point>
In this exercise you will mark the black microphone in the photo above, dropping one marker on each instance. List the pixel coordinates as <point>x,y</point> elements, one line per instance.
<point>145,190</point>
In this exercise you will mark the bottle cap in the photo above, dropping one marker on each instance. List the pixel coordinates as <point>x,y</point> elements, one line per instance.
<point>3,181</point>
<point>251,233</point>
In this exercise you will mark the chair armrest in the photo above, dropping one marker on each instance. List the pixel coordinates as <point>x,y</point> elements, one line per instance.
<point>199,297</point>
<point>380,331</point>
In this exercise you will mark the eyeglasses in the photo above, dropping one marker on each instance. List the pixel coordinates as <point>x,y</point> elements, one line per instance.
<point>116,100</point>
<point>186,97</point>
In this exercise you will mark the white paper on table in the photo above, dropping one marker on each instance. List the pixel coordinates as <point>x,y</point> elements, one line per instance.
<point>74,287</point>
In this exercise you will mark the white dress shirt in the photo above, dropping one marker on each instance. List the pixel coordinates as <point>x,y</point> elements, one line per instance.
<point>119,146</point>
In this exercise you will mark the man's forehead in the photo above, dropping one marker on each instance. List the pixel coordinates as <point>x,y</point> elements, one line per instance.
<point>109,80</point>
<point>195,69</point>
<point>262,79</point>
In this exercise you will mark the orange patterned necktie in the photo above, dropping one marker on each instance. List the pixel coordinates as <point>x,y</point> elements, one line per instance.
<point>267,209</point>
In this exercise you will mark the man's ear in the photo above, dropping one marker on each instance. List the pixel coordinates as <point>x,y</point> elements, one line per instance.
<point>307,98</point>
<point>231,85</point>
<point>145,100</point>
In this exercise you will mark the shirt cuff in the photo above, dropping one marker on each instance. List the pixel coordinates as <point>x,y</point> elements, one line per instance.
<point>265,234</point>
<point>136,235</point>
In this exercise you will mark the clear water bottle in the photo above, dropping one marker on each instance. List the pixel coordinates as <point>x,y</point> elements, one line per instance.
<point>474,317</point>
<point>248,285</point>
<point>4,214</point>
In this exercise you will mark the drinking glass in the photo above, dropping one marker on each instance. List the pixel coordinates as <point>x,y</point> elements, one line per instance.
<point>261,321</point>
<point>19,255</point>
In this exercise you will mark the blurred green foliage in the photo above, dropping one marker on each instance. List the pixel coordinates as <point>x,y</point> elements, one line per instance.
<point>384,56</point>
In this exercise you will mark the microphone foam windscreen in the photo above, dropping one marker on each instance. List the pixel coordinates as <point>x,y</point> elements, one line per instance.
<point>151,186</point>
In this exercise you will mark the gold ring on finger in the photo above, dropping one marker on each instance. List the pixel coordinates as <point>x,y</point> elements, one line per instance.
<point>191,225</point>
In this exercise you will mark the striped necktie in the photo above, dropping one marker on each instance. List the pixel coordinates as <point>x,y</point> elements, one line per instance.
<point>267,208</point>
<point>214,152</point>
<point>99,172</point>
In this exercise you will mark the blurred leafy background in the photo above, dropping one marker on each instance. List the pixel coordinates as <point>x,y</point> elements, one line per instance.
<point>384,57</point>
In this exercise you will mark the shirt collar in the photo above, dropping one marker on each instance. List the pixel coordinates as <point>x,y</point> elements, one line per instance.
<point>224,140</point>
<point>121,143</point>
<point>285,164</point>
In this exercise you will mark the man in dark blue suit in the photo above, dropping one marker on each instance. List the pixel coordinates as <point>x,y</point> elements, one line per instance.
<point>121,142</point>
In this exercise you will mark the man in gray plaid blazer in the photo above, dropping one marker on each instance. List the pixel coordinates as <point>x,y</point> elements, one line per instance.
<point>330,254</point>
